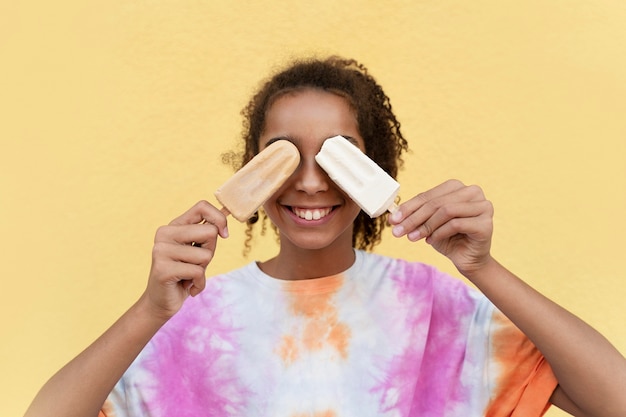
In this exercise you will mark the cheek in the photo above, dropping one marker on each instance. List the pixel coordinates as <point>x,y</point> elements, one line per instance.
<point>271,207</point>
<point>349,203</point>
<point>356,210</point>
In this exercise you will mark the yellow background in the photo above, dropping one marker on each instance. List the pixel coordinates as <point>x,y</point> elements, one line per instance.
<point>114,115</point>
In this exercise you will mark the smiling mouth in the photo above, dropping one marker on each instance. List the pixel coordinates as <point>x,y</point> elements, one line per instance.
<point>311,214</point>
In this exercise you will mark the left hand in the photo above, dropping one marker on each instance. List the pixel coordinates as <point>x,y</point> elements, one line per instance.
<point>457,220</point>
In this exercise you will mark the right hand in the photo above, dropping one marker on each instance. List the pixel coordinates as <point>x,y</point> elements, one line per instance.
<point>178,268</point>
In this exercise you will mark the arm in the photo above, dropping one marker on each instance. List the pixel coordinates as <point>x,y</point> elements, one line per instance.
<point>457,221</point>
<point>590,371</point>
<point>178,270</point>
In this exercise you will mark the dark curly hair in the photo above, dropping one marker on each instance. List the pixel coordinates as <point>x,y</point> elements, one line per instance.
<point>377,123</point>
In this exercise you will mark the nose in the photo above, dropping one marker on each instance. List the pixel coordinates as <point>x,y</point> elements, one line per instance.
<point>310,177</point>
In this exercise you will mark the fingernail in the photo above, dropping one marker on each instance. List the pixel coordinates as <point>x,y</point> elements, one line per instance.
<point>225,232</point>
<point>414,235</point>
<point>397,231</point>
<point>396,216</point>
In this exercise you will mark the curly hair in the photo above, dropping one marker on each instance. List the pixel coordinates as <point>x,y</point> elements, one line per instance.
<point>377,123</point>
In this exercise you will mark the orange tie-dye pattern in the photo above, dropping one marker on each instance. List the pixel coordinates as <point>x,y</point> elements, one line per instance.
<point>524,387</point>
<point>288,349</point>
<point>311,302</point>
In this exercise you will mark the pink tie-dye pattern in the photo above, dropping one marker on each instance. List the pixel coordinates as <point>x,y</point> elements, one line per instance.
<point>193,372</point>
<point>444,356</point>
<point>439,363</point>
<point>397,389</point>
<point>418,346</point>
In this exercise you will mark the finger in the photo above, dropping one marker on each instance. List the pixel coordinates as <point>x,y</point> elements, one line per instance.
<point>415,203</point>
<point>478,228</point>
<point>168,272</point>
<point>196,214</point>
<point>184,272</point>
<point>204,236</point>
<point>449,213</point>
<point>164,252</point>
<point>472,219</point>
<point>204,212</point>
<point>445,188</point>
<point>418,210</point>
<point>197,255</point>
<point>187,233</point>
<point>192,279</point>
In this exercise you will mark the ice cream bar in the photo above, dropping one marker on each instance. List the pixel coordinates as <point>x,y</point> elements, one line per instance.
<point>358,176</point>
<point>253,184</point>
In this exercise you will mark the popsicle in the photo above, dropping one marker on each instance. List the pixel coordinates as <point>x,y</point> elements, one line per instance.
<point>256,181</point>
<point>358,176</point>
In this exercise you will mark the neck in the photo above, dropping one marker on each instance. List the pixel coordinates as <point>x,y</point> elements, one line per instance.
<point>294,263</point>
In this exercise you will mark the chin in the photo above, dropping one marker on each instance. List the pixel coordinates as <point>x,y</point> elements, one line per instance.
<point>316,243</point>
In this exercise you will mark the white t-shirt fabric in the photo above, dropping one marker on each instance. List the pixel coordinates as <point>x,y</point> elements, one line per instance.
<point>386,337</point>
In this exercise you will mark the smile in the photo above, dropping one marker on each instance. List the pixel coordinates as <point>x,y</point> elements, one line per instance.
<point>311,214</point>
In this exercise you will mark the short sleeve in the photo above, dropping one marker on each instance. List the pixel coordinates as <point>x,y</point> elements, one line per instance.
<point>521,380</point>
<point>128,395</point>
<point>110,406</point>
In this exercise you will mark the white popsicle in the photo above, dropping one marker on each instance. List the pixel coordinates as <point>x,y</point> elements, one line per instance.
<point>253,184</point>
<point>358,176</point>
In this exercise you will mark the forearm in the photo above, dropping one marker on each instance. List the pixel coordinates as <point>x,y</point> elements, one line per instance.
<point>181,253</point>
<point>589,369</point>
<point>81,387</point>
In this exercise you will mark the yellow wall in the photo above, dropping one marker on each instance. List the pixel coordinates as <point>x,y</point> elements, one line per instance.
<point>114,114</point>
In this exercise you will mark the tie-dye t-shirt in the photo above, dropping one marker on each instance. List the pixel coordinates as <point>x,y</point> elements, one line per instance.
<point>385,338</point>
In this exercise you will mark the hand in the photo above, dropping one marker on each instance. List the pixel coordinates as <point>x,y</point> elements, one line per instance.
<point>181,253</point>
<point>454,218</point>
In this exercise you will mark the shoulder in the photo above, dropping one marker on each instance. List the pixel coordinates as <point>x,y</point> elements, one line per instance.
<point>221,291</point>
<point>411,273</point>
<point>412,279</point>
<point>212,311</point>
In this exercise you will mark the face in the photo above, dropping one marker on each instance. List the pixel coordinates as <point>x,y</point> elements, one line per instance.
<point>310,210</point>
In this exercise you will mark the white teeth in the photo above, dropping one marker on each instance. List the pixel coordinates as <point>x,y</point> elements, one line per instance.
<point>314,214</point>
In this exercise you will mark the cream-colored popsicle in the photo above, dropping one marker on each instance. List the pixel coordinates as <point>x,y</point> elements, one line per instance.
<point>358,176</point>
<point>255,182</point>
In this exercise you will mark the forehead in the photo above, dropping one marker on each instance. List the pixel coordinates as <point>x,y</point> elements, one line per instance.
<point>309,113</point>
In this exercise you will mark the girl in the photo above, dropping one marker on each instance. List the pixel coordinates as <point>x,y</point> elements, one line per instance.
<point>325,328</point>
